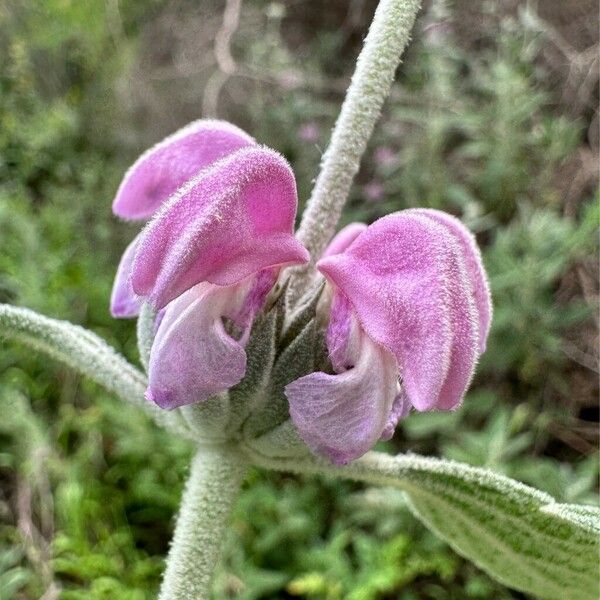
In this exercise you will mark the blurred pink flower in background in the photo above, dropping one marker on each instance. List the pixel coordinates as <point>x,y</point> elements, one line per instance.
<point>309,132</point>
<point>385,156</point>
<point>290,79</point>
<point>373,191</point>
<point>437,32</point>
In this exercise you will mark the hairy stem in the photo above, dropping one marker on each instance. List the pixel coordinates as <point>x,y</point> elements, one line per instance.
<point>216,475</point>
<point>388,36</point>
<point>145,333</point>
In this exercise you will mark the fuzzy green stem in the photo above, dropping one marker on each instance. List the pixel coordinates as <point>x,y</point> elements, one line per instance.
<point>216,475</point>
<point>145,333</point>
<point>388,36</point>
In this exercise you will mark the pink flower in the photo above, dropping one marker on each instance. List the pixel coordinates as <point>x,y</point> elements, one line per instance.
<point>410,315</point>
<point>158,173</point>
<point>344,238</point>
<point>309,132</point>
<point>437,33</point>
<point>373,191</point>
<point>385,156</point>
<point>406,309</point>
<point>169,164</point>
<point>124,304</point>
<point>212,251</point>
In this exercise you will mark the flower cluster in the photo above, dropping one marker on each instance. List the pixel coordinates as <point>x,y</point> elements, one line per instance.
<point>406,307</point>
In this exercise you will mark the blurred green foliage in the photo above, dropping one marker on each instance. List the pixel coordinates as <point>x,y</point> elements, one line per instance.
<point>89,487</point>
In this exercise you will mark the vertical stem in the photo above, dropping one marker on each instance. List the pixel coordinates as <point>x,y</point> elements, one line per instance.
<point>215,478</point>
<point>371,83</point>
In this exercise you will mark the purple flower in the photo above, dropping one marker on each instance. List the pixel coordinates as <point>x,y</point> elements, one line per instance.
<point>124,304</point>
<point>344,238</point>
<point>169,164</point>
<point>406,305</point>
<point>410,314</point>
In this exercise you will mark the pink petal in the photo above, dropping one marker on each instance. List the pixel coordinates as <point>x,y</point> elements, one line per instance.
<point>193,357</point>
<point>344,238</point>
<point>406,280</point>
<point>477,276</point>
<point>342,416</point>
<point>400,408</point>
<point>465,330</point>
<point>124,304</point>
<point>167,166</point>
<point>259,290</point>
<point>341,326</point>
<point>232,220</point>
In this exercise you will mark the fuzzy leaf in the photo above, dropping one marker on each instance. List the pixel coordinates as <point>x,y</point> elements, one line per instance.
<point>302,315</point>
<point>208,420</point>
<point>519,535</point>
<point>84,352</point>
<point>282,441</point>
<point>586,516</point>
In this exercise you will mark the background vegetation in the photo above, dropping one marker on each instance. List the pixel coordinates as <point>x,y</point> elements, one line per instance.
<point>493,118</point>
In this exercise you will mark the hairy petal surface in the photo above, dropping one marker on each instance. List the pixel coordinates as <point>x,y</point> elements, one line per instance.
<point>405,278</point>
<point>229,222</point>
<point>339,340</point>
<point>165,167</point>
<point>124,303</point>
<point>400,409</point>
<point>465,333</point>
<point>476,273</point>
<point>341,416</point>
<point>344,238</point>
<point>193,356</point>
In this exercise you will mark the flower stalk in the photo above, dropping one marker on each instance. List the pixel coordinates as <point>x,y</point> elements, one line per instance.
<point>215,478</point>
<point>371,83</point>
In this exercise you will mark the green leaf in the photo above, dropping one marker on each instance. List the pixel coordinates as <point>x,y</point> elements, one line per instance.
<point>248,395</point>
<point>510,531</point>
<point>519,535</point>
<point>302,315</point>
<point>84,352</point>
<point>586,516</point>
